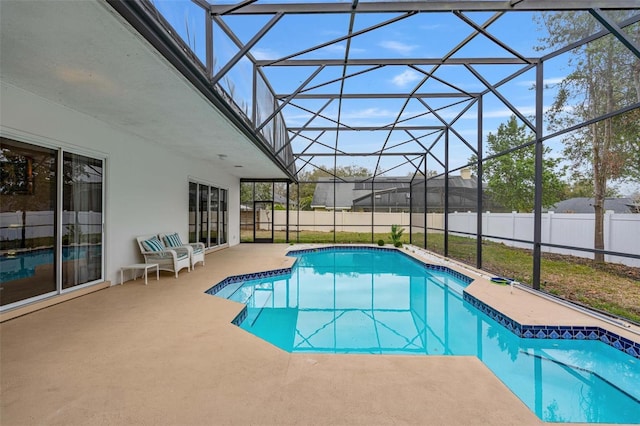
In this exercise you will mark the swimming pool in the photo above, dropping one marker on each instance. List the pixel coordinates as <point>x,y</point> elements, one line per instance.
<point>354,300</point>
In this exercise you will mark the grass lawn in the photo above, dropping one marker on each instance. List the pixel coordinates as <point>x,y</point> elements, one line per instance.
<point>611,288</point>
<point>608,287</point>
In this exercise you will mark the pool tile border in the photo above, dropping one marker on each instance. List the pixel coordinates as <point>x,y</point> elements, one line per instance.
<point>240,317</point>
<point>246,277</point>
<point>566,332</point>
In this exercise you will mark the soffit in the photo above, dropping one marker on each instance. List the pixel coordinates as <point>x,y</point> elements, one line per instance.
<point>86,57</point>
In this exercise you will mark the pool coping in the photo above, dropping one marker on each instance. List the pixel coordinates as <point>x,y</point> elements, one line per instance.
<point>525,331</point>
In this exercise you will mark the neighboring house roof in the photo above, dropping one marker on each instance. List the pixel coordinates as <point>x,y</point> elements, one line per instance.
<point>585,205</point>
<point>350,189</point>
<point>327,195</point>
<point>392,192</point>
<point>281,199</point>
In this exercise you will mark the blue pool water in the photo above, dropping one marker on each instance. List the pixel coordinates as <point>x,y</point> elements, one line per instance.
<point>23,264</point>
<point>383,302</point>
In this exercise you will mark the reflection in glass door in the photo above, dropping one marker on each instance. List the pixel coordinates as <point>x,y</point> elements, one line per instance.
<point>204,215</point>
<point>81,220</point>
<point>222,233</point>
<point>263,223</point>
<point>27,221</point>
<point>213,218</point>
<point>193,212</point>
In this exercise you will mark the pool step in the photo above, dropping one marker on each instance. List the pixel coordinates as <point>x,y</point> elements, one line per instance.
<point>260,300</point>
<point>229,290</point>
<point>444,279</point>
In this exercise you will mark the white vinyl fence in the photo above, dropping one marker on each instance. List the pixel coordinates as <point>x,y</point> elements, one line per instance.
<point>40,224</point>
<point>621,231</point>
<point>322,221</point>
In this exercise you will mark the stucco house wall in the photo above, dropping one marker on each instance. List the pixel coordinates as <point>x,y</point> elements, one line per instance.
<point>146,185</point>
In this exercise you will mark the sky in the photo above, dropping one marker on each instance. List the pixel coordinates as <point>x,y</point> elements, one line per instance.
<point>424,35</point>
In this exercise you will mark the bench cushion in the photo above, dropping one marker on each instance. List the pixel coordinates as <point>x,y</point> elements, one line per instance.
<point>153,244</point>
<point>173,240</point>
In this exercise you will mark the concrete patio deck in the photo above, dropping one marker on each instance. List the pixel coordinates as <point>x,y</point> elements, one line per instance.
<point>167,354</point>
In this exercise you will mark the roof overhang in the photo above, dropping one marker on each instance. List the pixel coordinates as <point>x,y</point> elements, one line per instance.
<point>87,57</point>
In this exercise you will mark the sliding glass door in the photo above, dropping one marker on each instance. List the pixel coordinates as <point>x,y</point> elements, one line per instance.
<point>213,214</point>
<point>207,214</point>
<point>193,212</point>
<point>51,216</point>
<point>203,214</point>
<point>222,234</point>
<point>81,220</point>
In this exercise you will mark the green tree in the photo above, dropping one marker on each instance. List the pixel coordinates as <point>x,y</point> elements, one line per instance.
<point>581,186</point>
<point>511,177</point>
<point>250,191</point>
<point>605,76</point>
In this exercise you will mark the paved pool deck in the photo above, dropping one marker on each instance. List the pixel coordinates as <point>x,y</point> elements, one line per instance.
<point>167,354</point>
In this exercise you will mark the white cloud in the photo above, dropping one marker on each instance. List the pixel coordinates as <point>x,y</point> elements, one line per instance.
<point>554,80</point>
<point>339,48</point>
<point>336,47</point>
<point>264,54</point>
<point>396,46</point>
<point>369,113</point>
<point>405,78</point>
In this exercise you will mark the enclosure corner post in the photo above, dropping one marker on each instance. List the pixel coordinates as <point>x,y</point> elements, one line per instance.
<point>537,206</point>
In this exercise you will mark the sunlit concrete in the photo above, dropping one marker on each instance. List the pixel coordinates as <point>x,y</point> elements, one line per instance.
<point>166,354</point>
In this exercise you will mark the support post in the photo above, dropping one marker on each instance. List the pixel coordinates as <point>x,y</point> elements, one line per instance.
<point>286,237</point>
<point>426,218</point>
<point>254,97</point>
<point>537,206</point>
<point>209,45</point>
<point>446,193</point>
<point>298,214</point>
<point>335,187</point>
<point>411,210</point>
<point>479,190</point>
<point>373,210</point>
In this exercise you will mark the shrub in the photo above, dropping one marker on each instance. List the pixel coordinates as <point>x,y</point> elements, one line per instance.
<point>396,235</point>
<point>381,242</point>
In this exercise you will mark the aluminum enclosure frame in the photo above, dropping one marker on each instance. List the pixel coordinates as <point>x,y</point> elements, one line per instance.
<point>204,78</point>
